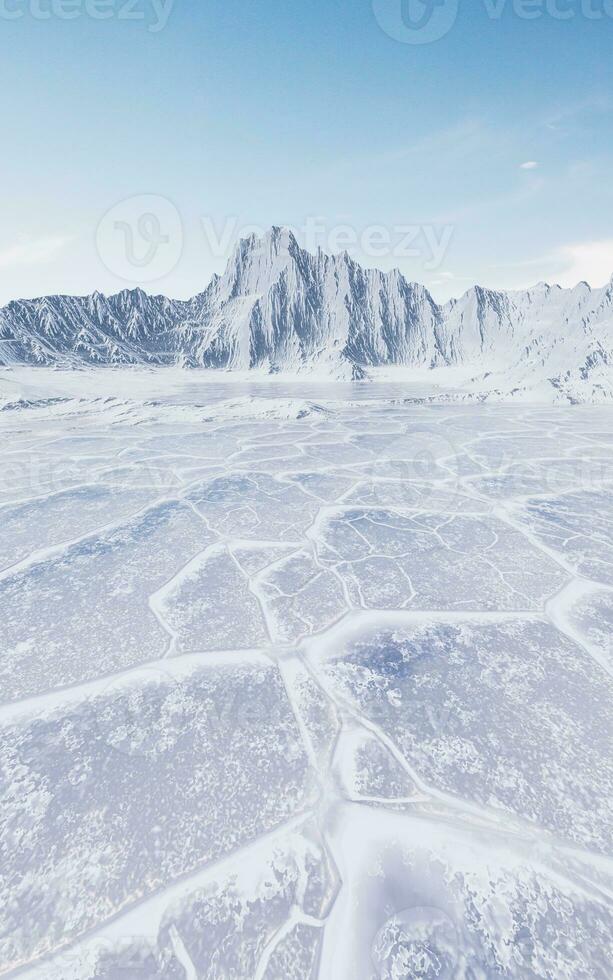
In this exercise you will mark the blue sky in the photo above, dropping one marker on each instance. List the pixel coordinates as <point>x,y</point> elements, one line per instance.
<point>485,155</point>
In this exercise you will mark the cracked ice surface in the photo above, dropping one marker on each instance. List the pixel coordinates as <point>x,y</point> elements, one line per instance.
<point>303,686</point>
<point>535,741</point>
<point>116,796</point>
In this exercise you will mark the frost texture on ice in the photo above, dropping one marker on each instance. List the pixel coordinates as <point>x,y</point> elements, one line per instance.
<point>117,796</point>
<point>84,611</point>
<point>303,685</point>
<point>511,715</point>
<point>436,561</point>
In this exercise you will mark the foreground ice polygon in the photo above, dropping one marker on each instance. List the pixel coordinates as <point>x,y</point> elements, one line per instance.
<point>435,561</point>
<point>108,800</point>
<point>84,611</point>
<point>508,714</point>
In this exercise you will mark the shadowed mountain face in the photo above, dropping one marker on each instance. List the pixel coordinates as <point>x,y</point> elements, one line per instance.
<point>281,308</point>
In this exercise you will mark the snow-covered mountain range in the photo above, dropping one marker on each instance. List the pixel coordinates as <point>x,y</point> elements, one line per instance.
<point>280,308</point>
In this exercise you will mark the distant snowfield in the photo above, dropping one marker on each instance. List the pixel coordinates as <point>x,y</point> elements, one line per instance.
<point>303,680</point>
<point>205,387</point>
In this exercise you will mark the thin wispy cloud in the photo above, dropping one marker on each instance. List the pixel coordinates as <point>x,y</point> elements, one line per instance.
<point>568,265</point>
<point>587,262</point>
<point>32,252</point>
<point>564,117</point>
<point>529,165</point>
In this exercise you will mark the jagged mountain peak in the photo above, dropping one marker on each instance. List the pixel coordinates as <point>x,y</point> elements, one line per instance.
<point>278,241</point>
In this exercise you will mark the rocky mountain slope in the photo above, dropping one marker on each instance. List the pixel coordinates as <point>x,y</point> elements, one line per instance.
<point>280,308</point>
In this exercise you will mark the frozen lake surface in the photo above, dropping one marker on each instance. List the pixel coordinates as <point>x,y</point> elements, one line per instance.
<point>302,681</point>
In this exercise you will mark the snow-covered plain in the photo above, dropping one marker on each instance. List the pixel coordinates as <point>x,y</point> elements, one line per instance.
<point>302,681</point>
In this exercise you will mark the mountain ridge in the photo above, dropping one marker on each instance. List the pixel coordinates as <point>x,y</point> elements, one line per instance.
<point>280,308</point>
